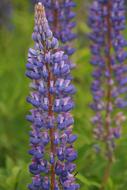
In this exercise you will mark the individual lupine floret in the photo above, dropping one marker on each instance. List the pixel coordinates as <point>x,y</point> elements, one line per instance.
<point>107,20</point>
<point>61,20</point>
<point>51,137</point>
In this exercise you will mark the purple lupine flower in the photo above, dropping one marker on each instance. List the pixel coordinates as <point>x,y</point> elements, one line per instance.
<point>107,20</point>
<point>51,137</point>
<point>60,17</point>
<point>5,12</point>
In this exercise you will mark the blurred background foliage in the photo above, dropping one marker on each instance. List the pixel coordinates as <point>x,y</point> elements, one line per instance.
<point>15,39</point>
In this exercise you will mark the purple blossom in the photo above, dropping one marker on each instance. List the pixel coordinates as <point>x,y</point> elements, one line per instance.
<point>51,137</point>
<point>5,13</point>
<point>61,20</point>
<point>107,20</point>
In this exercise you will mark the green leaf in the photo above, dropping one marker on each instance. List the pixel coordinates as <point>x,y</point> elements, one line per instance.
<point>87,182</point>
<point>9,164</point>
<point>12,180</point>
<point>110,184</point>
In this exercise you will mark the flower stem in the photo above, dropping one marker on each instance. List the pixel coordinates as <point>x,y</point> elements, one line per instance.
<point>109,67</point>
<point>50,113</point>
<point>108,97</point>
<point>106,174</point>
<point>55,17</point>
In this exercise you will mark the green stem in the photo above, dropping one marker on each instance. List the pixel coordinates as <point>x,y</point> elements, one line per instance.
<point>106,174</point>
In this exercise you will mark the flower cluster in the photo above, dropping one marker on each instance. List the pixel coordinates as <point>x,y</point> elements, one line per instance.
<point>51,137</point>
<point>60,17</point>
<point>5,12</point>
<point>107,20</point>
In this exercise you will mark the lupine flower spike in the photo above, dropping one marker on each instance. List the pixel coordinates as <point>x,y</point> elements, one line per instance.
<point>51,137</point>
<point>61,20</point>
<point>107,20</point>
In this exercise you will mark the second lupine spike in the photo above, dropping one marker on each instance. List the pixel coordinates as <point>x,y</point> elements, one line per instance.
<point>107,20</point>
<point>6,13</point>
<point>61,18</point>
<point>51,137</point>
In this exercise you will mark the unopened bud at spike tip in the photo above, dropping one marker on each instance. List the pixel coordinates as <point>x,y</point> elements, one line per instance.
<point>60,16</point>
<point>39,3</point>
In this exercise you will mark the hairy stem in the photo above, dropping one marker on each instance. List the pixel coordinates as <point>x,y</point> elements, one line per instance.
<point>50,98</point>
<point>52,130</point>
<point>50,113</point>
<point>109,68</point>
<point>55,25</point>
<point>55,17</point>
<point>108,98</point>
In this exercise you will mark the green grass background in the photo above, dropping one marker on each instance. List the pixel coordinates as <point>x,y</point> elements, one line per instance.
<point>14,138</point>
